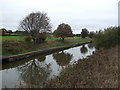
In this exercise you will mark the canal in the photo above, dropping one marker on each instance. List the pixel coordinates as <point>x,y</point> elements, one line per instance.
<point>36,71</point>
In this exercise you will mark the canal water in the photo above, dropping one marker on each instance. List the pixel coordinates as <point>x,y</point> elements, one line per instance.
<point>36,71</point>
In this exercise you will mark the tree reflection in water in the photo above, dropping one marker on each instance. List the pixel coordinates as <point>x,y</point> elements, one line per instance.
<point>41,58</point>
<point>34,74</point>
<point>62,58</point>
<point>83,49</point>
<point>90,45</point>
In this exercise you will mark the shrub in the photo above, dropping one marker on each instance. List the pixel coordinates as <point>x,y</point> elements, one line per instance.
<point>41,38</point>
<point>91,34</point>
<point>28,39</point>
<point>107,38</point>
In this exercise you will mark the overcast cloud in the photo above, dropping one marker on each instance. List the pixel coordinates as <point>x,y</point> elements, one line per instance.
<point>90,14</point>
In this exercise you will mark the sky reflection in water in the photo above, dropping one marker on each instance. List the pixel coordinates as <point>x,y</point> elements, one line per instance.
<point>34,72</point>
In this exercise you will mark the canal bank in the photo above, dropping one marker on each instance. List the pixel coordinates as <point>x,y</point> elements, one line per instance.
<point>6,59</point>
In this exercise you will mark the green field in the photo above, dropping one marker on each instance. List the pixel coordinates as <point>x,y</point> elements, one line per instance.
<point>21,38</point>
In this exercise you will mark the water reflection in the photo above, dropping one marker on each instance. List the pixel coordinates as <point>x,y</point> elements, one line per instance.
<point>83,49</point>
<point>62,58</point>
<point>90,45</point>
<point>20,62</point>
<point>34,74</point>
<point>41,58</point>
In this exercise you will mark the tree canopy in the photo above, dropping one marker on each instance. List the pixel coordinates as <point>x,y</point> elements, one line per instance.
<point>63,30</point>
<point>84,33</point>
<point>3,31</point>
<point>36,23</point>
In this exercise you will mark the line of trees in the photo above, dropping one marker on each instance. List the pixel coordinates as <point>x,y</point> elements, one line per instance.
<point>5,32</point>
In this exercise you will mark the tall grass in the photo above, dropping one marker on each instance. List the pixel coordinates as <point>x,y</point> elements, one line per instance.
<point>107,38</point>
<point>98,71</point>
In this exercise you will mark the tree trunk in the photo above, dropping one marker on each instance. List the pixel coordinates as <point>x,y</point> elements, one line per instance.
<point>34,40</point>
<point>62,38</point>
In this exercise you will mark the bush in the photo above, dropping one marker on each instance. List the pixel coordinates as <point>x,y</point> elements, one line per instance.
<point>91,34</point>
<point>41,38</point>
<point>28,39</point>
<point>107,38</point>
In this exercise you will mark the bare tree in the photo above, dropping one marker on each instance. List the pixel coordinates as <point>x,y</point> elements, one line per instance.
<point>34,74</point>
<point>35,24</point>
<point>63,30</point>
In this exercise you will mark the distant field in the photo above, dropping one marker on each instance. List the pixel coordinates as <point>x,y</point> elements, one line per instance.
<point>21,38</point>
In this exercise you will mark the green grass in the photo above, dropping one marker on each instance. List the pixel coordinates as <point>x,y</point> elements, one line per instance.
<point>20,38</point>
<point>78,40</point>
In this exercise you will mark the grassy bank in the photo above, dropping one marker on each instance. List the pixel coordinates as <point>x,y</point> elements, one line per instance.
<point>98,71</point>
<point>12,47</point>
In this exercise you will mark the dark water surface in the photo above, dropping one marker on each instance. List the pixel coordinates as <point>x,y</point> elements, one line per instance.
<point>36,71</point>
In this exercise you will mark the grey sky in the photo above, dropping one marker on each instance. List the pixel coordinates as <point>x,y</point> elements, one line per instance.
<point>90,14</point>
